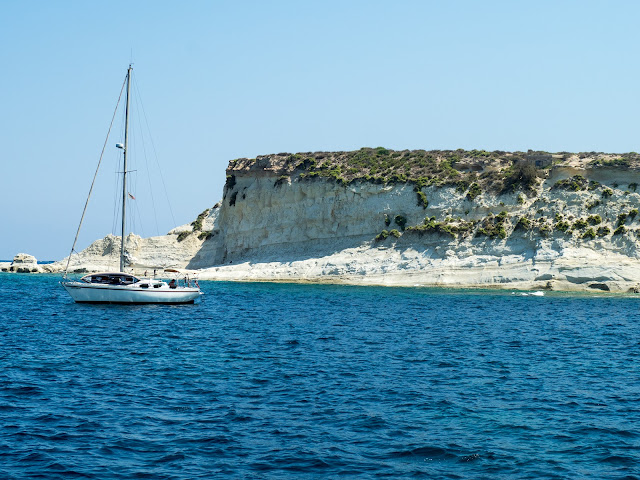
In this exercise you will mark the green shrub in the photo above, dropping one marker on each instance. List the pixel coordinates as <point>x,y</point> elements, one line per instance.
<point>422,199</point>
<point>494,226</point>
<point>633,213</point>
<point>479,153</point>
<point>387,220</point>
<point>580,223</point>
<point>307,164</point>
<point>463,227</point>
<point>431,226</point>
<point>197,223</point>
<point>594,219</point>
<point>607,192</point>
<point>462,186</point>
<point>448,170</point>
<point>593,204</point>
<point>589,234</point>
<point>401,221</point>
<point>205,235</point>
<point>523,224</point>
<point>395,233</point>
<point>622,218</point>
<point>633,186</point>
<point>522,175</point>
<point>603,231</point>
<point>620,162</point>
<point>382,236</point>
<point>545,229</point>
<point>422,182</point>
<point>521,199</point>
<point>575,183</point>
<point>282,179</point>
<point>474,191</point>
<point>397,178</point>
<point>183,235</point>
<point>448,230</point>
<point>230,182</point>
<point>562,226</point>
<point>620,230</point>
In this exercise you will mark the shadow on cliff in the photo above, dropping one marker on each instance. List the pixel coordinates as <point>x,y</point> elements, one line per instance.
<point>214,253</point>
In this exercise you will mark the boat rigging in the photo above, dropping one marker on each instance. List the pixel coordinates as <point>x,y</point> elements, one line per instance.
<point>120,286</point>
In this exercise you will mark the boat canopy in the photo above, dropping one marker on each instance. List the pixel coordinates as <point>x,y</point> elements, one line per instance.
<point>111,278</point>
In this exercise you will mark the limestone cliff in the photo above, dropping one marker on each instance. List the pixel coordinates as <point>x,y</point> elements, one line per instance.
<point>430,218</point>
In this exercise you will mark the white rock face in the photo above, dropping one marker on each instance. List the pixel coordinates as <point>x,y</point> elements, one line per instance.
<point>142,254</point>
<point>24,259</point>
<point>255,215</point>
<point>319,230</point>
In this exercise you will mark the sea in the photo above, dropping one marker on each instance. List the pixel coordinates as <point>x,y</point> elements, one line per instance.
<point>297,381</point>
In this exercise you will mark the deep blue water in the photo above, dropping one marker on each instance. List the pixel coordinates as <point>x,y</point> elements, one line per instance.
<point>281,381</point>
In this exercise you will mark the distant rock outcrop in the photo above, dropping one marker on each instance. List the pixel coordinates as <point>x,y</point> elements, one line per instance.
<point>22,263</point>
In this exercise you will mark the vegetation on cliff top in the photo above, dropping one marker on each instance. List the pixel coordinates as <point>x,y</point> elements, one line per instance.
<point>470,171</point>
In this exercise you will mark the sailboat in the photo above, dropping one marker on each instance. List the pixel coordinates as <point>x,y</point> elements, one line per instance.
<point>123,287</point>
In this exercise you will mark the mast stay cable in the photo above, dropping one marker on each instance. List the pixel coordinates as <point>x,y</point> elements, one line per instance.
<point>138,104</point>
<point>155,152</point>
<point>73,247</point>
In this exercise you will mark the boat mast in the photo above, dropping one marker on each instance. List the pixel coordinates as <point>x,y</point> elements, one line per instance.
<point>124,170</point>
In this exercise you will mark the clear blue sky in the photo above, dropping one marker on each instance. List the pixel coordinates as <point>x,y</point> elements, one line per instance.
<point>222,80</point>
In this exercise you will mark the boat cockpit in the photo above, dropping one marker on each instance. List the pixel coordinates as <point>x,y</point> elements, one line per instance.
<point>124,279</point>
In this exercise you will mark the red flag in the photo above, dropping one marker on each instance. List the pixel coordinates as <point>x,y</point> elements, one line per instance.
<point>131,196</point>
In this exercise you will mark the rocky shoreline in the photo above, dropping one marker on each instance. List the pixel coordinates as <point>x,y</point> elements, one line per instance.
<point>573,227</point>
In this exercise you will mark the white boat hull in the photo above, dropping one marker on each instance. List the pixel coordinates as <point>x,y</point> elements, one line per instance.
<point>83,292</point>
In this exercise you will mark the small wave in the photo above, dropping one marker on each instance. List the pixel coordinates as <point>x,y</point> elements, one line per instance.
<point>65,472</point>
<point>583,431</point>
<point>301,463</point>
<point>24,391</point>
<point>172,457</point>
<point>620,460</point>
<point>35,457</point>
